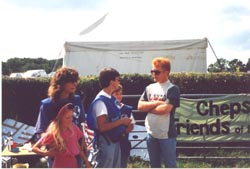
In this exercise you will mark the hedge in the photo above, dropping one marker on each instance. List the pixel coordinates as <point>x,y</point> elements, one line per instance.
<point>21,97</point>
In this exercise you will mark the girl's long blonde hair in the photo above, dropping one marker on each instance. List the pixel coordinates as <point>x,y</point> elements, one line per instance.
<point>55,126</point>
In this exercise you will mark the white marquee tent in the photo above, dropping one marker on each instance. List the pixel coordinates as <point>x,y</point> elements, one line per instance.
<point>90,52</point>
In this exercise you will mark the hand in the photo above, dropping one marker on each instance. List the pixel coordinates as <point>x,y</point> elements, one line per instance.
<point>126,121</point>
<point>54,150</point>
<point>51,152</point>
<point>87,165</point>
<point>129,128</point>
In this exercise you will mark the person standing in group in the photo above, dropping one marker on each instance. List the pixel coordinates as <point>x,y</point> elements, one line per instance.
<point>104,118</point>
<point>61,91</point>
<point>63,136</point>
<point>160,100</point>
<point>126,111</point>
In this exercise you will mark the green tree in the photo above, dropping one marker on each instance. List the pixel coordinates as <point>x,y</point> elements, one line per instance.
<point>5,69</point>
<point>24,64</point>
<point>223,65</point>
<point>236,65</point>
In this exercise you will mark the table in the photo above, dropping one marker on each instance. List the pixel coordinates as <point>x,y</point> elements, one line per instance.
<point>22,152</point>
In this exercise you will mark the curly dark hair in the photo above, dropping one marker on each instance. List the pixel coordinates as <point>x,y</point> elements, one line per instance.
<point>62,76</point>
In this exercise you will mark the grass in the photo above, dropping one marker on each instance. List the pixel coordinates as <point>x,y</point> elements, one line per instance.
<point>137,162</point>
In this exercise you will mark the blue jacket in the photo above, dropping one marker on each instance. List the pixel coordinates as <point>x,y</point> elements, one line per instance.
<point>114,113</point>
<point>48,111</point>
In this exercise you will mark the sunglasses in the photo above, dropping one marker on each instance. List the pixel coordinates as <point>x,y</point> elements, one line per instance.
<point>156,72</point>
<point>72,79</point>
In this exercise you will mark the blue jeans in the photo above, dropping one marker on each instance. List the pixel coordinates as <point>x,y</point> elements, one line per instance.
<point>125,151</point>
<point>109,155</point>
<point>161,149</point>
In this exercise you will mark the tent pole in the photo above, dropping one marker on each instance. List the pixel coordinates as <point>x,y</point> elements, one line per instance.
<point>214,53</point>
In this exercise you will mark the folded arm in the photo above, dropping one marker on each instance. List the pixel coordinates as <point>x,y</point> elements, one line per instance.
<point>155,107</point>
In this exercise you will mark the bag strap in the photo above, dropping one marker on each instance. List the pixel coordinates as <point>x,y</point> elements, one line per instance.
<point>98,136</point>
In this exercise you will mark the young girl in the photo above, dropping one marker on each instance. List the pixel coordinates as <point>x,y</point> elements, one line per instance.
<point>62,137</point>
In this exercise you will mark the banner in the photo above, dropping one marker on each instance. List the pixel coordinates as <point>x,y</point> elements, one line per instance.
<point>217,119</point>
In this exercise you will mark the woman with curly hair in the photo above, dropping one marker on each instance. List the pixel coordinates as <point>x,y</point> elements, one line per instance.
<point>61,91</point>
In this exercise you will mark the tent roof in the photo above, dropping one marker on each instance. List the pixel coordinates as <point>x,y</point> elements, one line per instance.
<point>136,45</point>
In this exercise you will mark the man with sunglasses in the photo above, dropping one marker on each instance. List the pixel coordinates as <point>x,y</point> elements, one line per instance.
<point>160,100</point>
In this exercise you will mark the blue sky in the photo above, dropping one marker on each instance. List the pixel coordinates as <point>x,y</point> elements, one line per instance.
<point>57,4</point>
<point>39,28</point>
